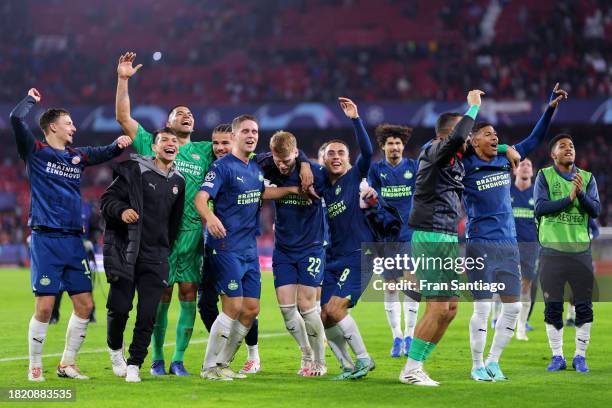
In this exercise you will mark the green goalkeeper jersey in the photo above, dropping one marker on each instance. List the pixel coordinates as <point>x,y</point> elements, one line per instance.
<point>192,162</point>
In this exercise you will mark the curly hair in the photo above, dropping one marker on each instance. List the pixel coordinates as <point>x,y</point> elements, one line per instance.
<point>386,130</point>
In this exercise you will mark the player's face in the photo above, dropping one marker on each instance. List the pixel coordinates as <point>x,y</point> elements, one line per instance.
<point>564,152</point>
<point>393,148</point>
<point>486,141</point>
<point>166,147</point>
<point>336,158</point>
<point>246,136</point>
<point>63,129</point>
<point>286,163</point>
<point>524,171</point>
<point>181,120</point>
<point>222,144</point>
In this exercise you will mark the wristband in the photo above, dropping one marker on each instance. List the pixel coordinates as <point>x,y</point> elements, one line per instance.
<point>473,111</point>
<point>502,148</point>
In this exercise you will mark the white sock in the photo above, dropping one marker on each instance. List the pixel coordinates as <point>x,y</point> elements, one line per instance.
<point>478,331</point>
<point>555,339</point>
<point>353,337</point>
<point>583,337</point>
<point>393,309</point>
<point>496,307</point>
<point>237,334</point>
<point>411,313</point>
<point>295,324</point>
<point>75,335</point>
<point>412,365</point>
<point>219,333</point>
<point>504,330</point>
<point>37,332</point>
<point>315,330</point>
<point>337,343</point>
<point>253,352</point>
<point>525,305</point>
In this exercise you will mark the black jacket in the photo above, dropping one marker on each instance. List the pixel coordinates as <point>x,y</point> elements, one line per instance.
<point>436,202</point>
<point>122,241</point>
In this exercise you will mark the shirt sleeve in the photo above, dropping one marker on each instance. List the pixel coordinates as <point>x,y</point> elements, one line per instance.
<point>23,135</point>
<point>143,142</point>
<point>443,150</point>
<point>589,201</point>
<point>537,135</point>
<point>373,179</point>
<point>365,147</point>
<point>214,180</point>
<point>99,154</point>
<point>543,204</point>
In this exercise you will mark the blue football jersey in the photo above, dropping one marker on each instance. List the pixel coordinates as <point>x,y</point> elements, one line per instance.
<point>347,222</point>
<point>236,189</point>
<point>395,184</point>
<point>523,205</point>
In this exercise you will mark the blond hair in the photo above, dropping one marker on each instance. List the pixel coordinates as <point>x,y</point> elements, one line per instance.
<point>283,143</point>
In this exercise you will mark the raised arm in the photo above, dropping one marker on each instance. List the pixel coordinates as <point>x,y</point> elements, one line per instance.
<point>100,154</point>
<point>23,136</point>
<point>125,70</point>
<point>363,139</point>
<point>444,149</point>
<point>527,145</point>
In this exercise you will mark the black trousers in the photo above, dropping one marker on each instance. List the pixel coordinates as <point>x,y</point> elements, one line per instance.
<point>149,284</point>
<point>576,270</point>
<point>207,305</point>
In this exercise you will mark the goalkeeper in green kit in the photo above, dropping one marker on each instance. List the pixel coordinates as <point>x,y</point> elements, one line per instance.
<point>185,261</point>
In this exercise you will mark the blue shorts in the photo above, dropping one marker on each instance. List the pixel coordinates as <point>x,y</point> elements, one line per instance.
<point>501,262</point>
<point>529,252</point>
<point>391,250</point>
<point>236,274</point>
<point>298,269</point>
<point>344,278</point>
<point>59,263</point>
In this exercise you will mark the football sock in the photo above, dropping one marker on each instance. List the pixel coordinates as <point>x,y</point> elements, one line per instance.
<point>75,335</point>
<point>337,343</point>
<point>159,331</point>
<point>478,331</point>
<point>295,324</point>
<point>504,330</point>
<point>583,336</point>
<point>393,309</point>
<point>237,335</point>
<point>411,313</point>
<point>184,328</point>
<point>419,351</point>
<point>555,339</point>
<point>353,336</point>
<point>37,332</point>
<point>253,352</point>
<point>315,330</point>
<point>525,305</point>
<point>219,333</point>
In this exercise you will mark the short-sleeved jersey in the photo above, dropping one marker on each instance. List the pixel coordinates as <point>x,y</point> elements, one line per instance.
<point>192,162</point>
<point>298,226</point>
<point>347,222</point>
<point>487,198</point>
<point>236,189</point>
<point>523,205</point>
<point>395,184</point>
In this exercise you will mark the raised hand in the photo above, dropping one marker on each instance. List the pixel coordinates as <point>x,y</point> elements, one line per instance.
<point>349,108</point>
<point>33,92</point>
<point>123,141</point>
<point>129,216</point>
<point>560,93</point>
<point>125,68</point>
<point>473,97</point>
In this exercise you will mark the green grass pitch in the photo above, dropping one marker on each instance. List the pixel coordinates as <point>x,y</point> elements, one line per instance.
<point>278,385</point>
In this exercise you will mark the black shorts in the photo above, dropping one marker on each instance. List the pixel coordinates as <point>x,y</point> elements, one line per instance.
<point>560,269</point>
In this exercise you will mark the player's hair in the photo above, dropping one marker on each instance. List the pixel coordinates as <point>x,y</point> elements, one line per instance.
<point>175,108</point>
<point>283,143</point>
<point>165,130</point>
<point>239,119</point>
<point>444,121</point>
<point>337,141</point>
<point>322,147</point>
<point>476,128</point>
<point>223,128</point>
<point>50,116</point>
<point>554,140</point>
<point>386,130</point>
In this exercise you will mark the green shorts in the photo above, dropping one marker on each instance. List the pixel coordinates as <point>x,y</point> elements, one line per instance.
<point>185,261</point>
<point>434,275</point>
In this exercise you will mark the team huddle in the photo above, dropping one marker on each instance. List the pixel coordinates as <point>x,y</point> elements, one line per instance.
<point>325,210</point>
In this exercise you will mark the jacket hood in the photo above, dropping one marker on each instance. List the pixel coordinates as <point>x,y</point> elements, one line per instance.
<point>147,163</point>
